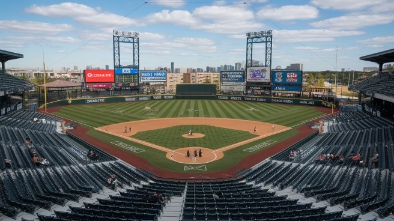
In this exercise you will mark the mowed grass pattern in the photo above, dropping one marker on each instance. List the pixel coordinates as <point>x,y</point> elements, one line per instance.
<point>214,138</point>
<point>97,115</point>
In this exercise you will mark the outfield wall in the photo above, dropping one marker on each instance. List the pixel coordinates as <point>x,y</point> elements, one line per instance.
<point>198,97</point>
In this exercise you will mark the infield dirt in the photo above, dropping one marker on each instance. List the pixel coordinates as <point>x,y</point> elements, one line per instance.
<point>179,155</point>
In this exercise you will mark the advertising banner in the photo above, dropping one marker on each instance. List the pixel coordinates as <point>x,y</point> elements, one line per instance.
<point>232,77</point>
<point>258,74</point>
<point>126,70</point>
<point>227,88</point>
<point>126,84</point>
<point>153,76</point>
<point>144,98</point>
<point>103,85</point>
<point>286,88</point>
<point>96,100</point>
<point>287,77</point>
<point>99,76</point>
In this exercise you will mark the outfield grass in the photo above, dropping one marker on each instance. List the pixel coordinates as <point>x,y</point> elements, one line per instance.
<point>106,114</point>
<point>215,137</point>
<point>111,113</point>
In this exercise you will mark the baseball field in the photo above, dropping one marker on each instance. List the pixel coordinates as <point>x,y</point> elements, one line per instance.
<point>223,132</point>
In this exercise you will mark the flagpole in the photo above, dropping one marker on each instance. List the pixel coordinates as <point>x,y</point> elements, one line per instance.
<point>45,84</point>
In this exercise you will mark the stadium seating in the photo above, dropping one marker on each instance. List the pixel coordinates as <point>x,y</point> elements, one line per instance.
<point>25,187</point>
<point>382,83</point>
<point>11,83</point>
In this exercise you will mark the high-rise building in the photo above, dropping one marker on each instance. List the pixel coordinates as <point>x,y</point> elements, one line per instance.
<point>75,68</point>
<point>172,67</point>
<point>238,66</point>
<point>256,63</point>
<point>210,69</point>
<point>106,67</point>
<point>297,66</point>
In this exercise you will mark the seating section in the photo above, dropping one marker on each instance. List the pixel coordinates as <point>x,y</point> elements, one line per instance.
<point>11,83</point>
<point>254,195</point>
<point>382,83</point>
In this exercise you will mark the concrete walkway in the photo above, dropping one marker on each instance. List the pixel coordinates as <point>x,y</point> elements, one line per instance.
<point>173,209</point>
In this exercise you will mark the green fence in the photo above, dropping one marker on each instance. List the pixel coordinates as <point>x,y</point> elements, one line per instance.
<point>195,89</point>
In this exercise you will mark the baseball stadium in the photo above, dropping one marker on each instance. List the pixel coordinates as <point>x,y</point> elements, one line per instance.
<point>200,153</point>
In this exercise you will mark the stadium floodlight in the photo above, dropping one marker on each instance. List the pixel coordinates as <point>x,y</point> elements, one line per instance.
<point>126,34</point>
<point>259,34</point>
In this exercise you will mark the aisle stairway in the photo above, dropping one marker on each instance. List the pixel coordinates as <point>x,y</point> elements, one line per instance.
<point>173,210</point>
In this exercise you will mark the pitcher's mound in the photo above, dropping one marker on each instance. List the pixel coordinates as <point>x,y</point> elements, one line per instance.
<point>207,156</point>
<point>195,135</point>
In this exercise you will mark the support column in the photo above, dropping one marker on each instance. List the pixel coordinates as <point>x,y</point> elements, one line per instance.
<point>3,67</point>
<point>380,67</point>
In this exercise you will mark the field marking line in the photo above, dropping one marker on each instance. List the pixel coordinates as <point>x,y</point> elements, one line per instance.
<point>229,123</point>
<point>136,140</point>
<point>235,145</point>
<point>302,122</point>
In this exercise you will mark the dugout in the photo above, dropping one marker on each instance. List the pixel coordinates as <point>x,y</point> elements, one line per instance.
<point>196,89</point>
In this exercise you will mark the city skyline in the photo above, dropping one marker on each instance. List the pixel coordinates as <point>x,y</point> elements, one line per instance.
<point>197,34</point>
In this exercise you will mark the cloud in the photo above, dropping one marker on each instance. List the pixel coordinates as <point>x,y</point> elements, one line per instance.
<point>66,9</point>
<point>151,36</point>
<point>178,17</point>
<point>173,4</point>
<point>103,34</point>
<point>185,43</point>
<point>289,12</point>
<point>96,47</point>
<point>196,41</point>
<point>311,35</point>
<point>387,6</point>
<point>375,46</point>
<point>82,14</point>
<point>107,20</point>
<point>306,48</point>
<point>238,36</point>
<point>156,52</point>
<point>377,40</point>
<point>11,44</point>
<point>346,4</point>
<point>223,13</point>
<point>215,19</point>
<point>351,22</point>
<point>34,27</point>
<point>62,39</point>
<point>235,28</point>
<point>237,51</point>
<point>231,20</point>
<point>317,49</point>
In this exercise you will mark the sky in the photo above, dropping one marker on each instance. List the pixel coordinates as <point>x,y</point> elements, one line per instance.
<point>321,34</point>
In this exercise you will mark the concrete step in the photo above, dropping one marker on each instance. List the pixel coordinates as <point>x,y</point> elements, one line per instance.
<point>172,210</point>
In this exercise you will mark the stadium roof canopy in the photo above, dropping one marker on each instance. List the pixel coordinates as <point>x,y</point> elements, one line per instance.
<point>60,84</point>
<point>380,58</point>
<point>6,56</point>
